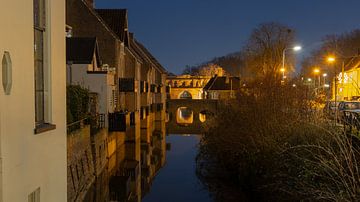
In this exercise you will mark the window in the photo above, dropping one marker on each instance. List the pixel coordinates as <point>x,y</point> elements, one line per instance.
<point>41,68</point>
<point>39,33</point>
<point>34,196</point>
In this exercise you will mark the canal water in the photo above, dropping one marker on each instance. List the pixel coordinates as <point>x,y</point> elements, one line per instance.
<point>163,170</point>
<point>177,181</point>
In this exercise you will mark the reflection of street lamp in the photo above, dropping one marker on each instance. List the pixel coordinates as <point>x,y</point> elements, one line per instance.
<point>295,48</point>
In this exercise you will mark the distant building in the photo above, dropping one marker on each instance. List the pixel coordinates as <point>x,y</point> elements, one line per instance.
<point>222,87</point>
<point>187,86</point>
<point>33,101</point>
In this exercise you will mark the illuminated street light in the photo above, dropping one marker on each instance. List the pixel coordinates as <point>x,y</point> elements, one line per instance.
<point>295,48</point>
<point>309,79</point>
<point>331,59</point>
<point>324,75</point>
<point>326,85</point>
<point>282,70</point>
<point>316,72</point>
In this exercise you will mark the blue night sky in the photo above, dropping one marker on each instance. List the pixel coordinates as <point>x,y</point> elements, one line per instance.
<point>189,32</point>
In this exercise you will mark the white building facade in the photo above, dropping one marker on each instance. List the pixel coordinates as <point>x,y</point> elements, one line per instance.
<point>33,101</point>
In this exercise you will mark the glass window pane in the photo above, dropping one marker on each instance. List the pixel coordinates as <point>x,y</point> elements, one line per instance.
<point>39,44</point>
<point>39,76</point>
<point>39,107</point>
<point>39,13</point>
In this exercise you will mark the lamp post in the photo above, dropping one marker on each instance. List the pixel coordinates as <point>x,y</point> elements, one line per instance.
<point>324,75</point>
<point>331,60</point>
<point>295,48</point>
<point>316,72</point>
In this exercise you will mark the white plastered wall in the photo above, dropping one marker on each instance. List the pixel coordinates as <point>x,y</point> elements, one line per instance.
<point>31,161</point>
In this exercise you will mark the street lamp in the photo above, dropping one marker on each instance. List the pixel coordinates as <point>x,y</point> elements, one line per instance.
<point>316,72</point>
<point>331,60</point>
<point>295,48</point>
<point>324,75</point>
<point>282,70</point>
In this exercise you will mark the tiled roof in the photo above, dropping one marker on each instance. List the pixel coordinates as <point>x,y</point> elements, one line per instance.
<point>150,56</point>
<point>223,83</point>
<point>80,50</point>
<point>116,20</point>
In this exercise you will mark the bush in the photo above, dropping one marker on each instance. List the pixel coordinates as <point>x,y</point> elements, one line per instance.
<point>77,102</point>
<point>271,144</point>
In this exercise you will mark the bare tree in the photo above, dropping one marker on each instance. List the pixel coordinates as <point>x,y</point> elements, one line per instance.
<point>264,50</point>
<point>346,44</point>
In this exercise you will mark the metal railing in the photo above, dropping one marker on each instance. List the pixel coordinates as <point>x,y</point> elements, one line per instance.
<point>77,125</point>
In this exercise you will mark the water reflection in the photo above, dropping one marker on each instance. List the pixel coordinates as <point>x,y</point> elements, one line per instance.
<point>202,117</point>
<point>134,168</point>
<point>184,116</point>
<point>131,165</point>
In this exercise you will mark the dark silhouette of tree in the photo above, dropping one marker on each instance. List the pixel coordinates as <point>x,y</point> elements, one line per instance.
<point>264,51</point>
<point>346,44</point>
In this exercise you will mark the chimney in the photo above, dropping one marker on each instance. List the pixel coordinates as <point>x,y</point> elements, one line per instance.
<point>90,3</point>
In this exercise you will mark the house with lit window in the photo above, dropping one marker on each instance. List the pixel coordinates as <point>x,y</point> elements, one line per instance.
<point>33,101</point>
<point>84,68</point>
<point>222,87</point>
<point>348,81</point>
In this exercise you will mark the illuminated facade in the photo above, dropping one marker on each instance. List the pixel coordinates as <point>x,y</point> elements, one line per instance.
<point>348,84</point>
<point>187,86</point>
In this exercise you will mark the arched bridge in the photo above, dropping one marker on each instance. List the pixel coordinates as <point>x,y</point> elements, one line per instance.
<point>188,116</point>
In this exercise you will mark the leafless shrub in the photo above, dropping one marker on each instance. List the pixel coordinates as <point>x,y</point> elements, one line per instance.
<point>270,140</point>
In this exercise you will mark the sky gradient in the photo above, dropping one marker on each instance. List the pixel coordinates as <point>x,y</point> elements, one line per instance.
<point>189,32</point>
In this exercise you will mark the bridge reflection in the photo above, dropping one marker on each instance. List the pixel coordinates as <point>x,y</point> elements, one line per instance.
<point>189,116</point>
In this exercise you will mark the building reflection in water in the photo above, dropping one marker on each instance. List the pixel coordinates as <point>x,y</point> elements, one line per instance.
<point>127,162</point>
<point>132,163</point>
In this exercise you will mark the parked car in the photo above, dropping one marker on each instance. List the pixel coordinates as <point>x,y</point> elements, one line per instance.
<point>347,106</point>
<point>330,108</point>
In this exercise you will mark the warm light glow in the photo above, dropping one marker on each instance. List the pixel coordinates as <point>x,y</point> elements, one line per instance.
<point>309,79</point>
<point>294,85</point>
<point>331,59</point>
<point>316,70</point>
<point>326,85</point>
<point>325,75</point>
<point>297,48</point>
<point>282,70</point>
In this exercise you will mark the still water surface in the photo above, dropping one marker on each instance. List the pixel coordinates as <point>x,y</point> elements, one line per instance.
<point>177,181</point>
<point>160,170</point>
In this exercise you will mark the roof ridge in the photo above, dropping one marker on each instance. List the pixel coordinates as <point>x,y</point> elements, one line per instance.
<point>101,20</point>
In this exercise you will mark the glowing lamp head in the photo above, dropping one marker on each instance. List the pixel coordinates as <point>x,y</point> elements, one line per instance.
<point>316,71</point>
<point>331,59</point>
<point>297,48</point>
<point>325,75</point>
<point>282,70</point>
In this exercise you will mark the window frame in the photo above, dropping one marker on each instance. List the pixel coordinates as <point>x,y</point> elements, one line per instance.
<point>41,23</point>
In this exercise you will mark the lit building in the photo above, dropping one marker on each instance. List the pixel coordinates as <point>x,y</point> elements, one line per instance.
<point>348,83</point>
<point>222,87</point>
<point>33,101</point>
